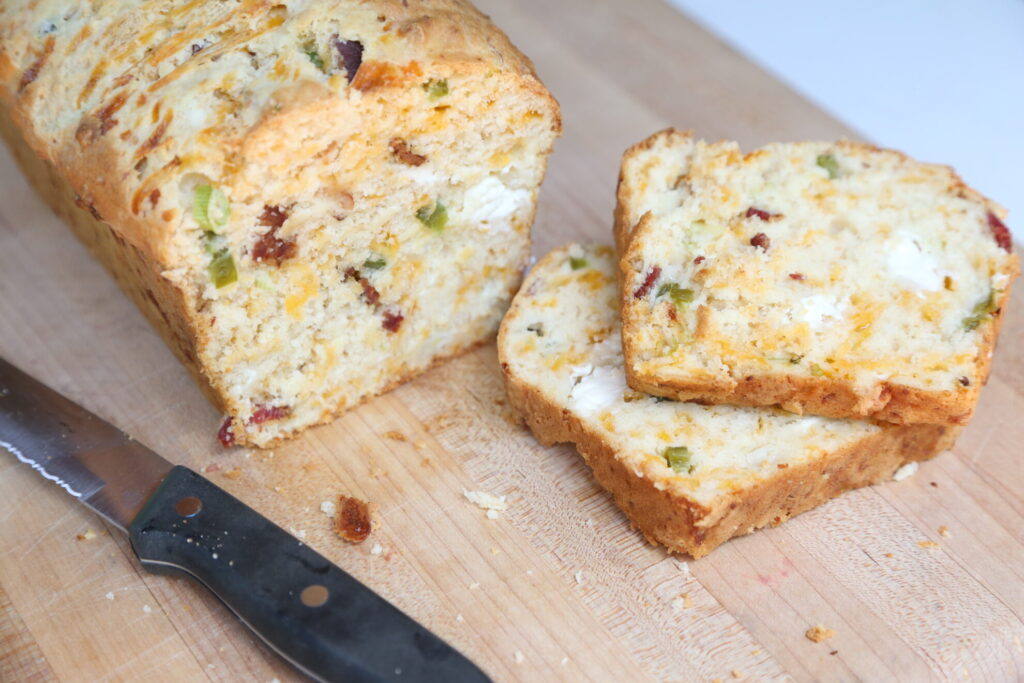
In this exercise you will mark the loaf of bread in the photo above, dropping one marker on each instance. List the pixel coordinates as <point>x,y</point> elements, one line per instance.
<point>834,279</point>
<point>688,476</point>
<point>313,201</point>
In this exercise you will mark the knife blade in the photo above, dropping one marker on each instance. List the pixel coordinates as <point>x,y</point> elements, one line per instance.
<point>312,613</point>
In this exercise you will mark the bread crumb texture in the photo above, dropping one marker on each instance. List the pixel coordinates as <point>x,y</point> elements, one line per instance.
<point>832,278</point>
<point>331,196</point>
<point>494,505</point>
<point>819,633</point>
<point>690,476</point>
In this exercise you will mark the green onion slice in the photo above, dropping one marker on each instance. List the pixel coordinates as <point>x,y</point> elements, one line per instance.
<point>222,268</point>
<point>436,88</point>
<point>210,208</point>
<point>678,458</point>
<point>678,294</point>
<point>434,218</point>
<point>829,163</point>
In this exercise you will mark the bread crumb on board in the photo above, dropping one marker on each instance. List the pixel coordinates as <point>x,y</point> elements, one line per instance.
<point>352,519</point>
<point>328,508</point>
<point>87,536</point>
<point>905,471</point>
<point>396,435</point>
<point>487,501</point>
<point>684,601</point>
<point>518,656</point>
<point>944,531</point>
<point>110,596</point>
<point>931,545</point>
<point>377,549</point>
<point>819,633</point>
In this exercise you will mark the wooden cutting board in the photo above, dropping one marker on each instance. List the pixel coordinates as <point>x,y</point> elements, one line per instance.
<point>559,587</point>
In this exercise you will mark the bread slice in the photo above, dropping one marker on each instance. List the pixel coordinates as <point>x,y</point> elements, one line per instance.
<point>312,201</point>
<point>688,476</point>
<point>834,279</point>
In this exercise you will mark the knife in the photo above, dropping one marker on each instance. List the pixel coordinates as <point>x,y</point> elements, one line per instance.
<point>316,616</point>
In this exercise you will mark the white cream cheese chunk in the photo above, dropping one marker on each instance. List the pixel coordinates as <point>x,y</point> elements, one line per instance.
<point>910,264</point>
<point>598,391</point>
<point>490,201</point>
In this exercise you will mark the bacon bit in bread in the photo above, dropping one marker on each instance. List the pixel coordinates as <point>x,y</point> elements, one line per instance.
<point>1000,232</point>
<point>154,197</point>
<point>392,321</point>
<point>265,413</point>
<point>32,72</point>
<point>699,260</point>
<point>644,289</point>
<point>226,434</point>
<point>352,520</point>
<point>270,248</point>
<point>273,216</point>
<point>819,633</point>
<point>965,381</point>
<point>350,55</point>
<point>762,214</point>
<point>761,241</point>
<point>370,293</point>
<point>796,276</point>
<point>400,148</point>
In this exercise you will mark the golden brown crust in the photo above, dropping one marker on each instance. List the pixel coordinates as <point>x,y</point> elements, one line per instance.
<point>815,396</point>
<point>683,526</point>
<point>109,76</point>
<point>160,300</point>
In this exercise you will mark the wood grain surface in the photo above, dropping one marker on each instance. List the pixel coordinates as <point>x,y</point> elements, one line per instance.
<point>558,587</point>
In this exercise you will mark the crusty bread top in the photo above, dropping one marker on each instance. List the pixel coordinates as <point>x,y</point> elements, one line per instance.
<point>561,338</point>
<point>125,97</point>
<point>834,260</point>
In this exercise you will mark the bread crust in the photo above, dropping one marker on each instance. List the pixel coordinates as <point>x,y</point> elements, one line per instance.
<point>668,518</point>
<point>83,124</point>
<point>892,403</point>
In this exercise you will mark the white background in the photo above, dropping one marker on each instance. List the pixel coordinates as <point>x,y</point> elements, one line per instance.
<point>942,80</point>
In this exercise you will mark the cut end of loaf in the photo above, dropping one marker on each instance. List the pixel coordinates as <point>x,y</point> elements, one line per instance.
<point>393,234</point>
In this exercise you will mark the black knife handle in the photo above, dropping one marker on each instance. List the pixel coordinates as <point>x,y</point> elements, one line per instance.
<point>308,610</point>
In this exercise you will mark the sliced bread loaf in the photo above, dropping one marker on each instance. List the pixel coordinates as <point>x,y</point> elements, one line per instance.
<point>688,476</point>
<point>312,201</point>
<point>835,279</point>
